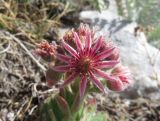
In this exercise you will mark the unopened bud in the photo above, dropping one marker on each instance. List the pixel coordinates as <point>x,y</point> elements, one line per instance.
<point>121,79</point>
<point>46,51</point>
<point>52,77</point>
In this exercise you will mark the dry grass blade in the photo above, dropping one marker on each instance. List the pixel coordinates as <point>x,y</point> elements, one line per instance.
<point>27,51</point>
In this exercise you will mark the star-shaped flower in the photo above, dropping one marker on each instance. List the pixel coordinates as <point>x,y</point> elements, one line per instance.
<point>87,61</point>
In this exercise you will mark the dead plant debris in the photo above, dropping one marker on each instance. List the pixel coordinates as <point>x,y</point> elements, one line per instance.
<point>22,80</point>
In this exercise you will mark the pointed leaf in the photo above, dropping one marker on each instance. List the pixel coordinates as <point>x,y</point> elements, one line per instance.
<point>64,107</point>
<point>83,85</point>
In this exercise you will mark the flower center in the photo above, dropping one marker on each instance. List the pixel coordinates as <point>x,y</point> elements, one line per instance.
<point>84,65</point>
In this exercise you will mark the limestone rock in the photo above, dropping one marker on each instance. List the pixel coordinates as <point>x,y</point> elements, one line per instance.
<point>142,58</point>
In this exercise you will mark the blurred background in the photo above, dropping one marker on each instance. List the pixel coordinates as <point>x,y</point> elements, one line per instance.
<point>133,25</point>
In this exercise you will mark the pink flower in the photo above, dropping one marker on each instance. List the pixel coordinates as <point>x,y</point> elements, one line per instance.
<point>46,51</point>
<point>121,78</point>
<point>84,29</point>
<point>86,61</point>
<point>81,54</point>
<point>115,54</point>
<point>68,36</point>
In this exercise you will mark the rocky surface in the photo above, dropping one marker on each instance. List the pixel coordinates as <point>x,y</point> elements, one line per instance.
<point>142,58</point>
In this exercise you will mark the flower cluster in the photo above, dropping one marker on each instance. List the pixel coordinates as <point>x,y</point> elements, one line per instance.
<point>46,51</point>
<point>89,58</point>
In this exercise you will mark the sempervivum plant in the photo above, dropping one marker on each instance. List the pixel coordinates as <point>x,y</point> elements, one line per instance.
<point>81,61</point>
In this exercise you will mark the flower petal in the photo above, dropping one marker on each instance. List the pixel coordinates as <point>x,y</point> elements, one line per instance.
<point>98,44</point>
<point>63,68</point>
<point>83,85</point>
<point>78,42</point>
<point>70,78</point>
<point>63,58</point>
<point>104,54</point>
<point>96,82</point>
<point>69,49</point>
<point>88,41</point>
<point>105,64</point>
<point>113,82</point>
<point>102,74</point>
<point>121,70</point>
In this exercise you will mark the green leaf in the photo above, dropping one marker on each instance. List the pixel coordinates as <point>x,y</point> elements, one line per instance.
<point>154,34</point>
<point>98,117</point>
<point>47,113</point>
<point>99,4</point>
<point>54,106</point>
<point>64,107</point>
<point>92,116</point>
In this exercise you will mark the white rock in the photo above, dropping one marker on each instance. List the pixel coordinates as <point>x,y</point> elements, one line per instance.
<point>142,58</point>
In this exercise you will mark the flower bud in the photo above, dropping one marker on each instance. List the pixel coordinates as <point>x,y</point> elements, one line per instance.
<point>115,85</point>
<point>46,51</point>
<point>121,78</point>
<point>52,77</point>
<point>83,29</point>
<point>63,106</point>
<point>69,38</point>
<point>114,55</point>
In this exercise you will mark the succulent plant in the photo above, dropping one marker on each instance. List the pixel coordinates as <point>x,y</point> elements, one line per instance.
<point>77,65</point>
